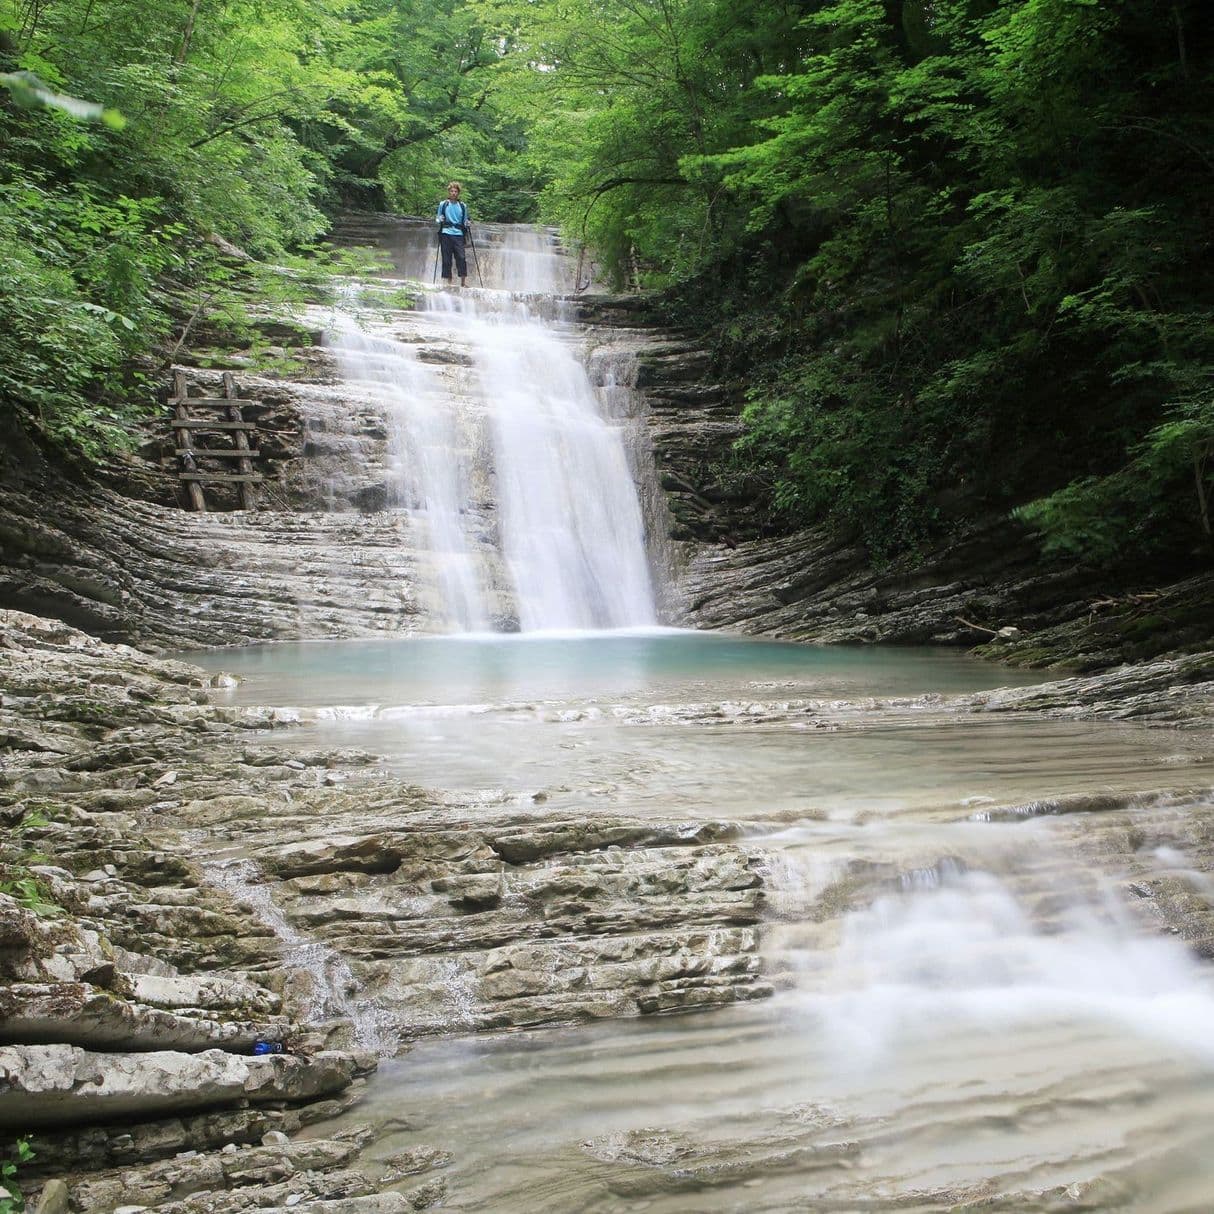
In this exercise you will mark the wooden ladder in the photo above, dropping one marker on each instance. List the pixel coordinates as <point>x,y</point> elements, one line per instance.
<point>229,420</point>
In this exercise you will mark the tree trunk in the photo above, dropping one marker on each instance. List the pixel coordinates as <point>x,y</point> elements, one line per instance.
<point>187,34</point>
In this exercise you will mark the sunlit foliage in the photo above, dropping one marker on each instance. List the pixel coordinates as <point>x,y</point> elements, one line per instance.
<point>147,146</point>
<point>958,251</point>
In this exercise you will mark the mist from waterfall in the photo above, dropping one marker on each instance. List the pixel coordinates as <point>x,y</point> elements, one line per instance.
<point>513,409</point>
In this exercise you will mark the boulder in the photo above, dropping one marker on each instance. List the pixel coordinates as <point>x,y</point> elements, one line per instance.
<point>54,1198</point>
<point>63,1085</point>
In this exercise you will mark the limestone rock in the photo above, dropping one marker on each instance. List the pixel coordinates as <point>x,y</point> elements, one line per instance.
<point>127,1143</point>
<point>58,1085</point>
<point>375,1203</point>
<point>80,1014</point>
<point>419,1159</point>
<point>46,1085</point>
<point>210,992</point>
<point>252,1168</point>
<point>53,1199</point>
<point>1173,690</point>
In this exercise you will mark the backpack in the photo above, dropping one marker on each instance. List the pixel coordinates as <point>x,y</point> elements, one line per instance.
<point>442,210</point>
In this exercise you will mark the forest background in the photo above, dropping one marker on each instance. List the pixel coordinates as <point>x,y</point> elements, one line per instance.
<point>956,253</point>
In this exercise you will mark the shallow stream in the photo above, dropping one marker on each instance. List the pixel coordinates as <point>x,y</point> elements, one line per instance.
<point>977,996</point>
<point>967,1001</point>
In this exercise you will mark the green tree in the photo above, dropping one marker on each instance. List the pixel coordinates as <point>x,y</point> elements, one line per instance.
<point>618,98</point>
<point>148,146</point>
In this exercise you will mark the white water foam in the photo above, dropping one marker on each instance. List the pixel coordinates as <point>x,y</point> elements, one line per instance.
<point>570,519</point>
<point>961,953</point>
<point>429,449</point>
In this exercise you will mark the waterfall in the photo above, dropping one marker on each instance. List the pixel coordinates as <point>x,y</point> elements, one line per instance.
<point>569,517</point>
<point>490,410</point>
<point>428,461</point>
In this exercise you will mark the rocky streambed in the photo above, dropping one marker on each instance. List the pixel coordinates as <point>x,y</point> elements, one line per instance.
<point>946,941</point>
<point>184,878</point>
<point>178,891</point>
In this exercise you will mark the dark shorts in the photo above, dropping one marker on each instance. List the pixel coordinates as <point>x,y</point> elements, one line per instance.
<point>453,250</point>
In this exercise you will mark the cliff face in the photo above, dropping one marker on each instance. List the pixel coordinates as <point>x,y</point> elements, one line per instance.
<point>113,552</point>
<point>158,577</point>
<point>116,556</point>
<point>989,587</point>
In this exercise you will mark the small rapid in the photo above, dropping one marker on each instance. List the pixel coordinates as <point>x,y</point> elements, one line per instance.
<point>333,987</point>
<point>978,1040</point>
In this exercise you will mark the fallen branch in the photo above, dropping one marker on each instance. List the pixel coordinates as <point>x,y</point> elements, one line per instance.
<point>977,627</point>
<point>1128,600</point>
<point>189,324</point>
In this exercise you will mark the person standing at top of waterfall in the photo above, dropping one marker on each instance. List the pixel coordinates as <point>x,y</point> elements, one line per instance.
<point>452,228</point>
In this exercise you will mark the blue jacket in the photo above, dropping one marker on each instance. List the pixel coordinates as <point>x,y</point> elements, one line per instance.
<point>452,217</point>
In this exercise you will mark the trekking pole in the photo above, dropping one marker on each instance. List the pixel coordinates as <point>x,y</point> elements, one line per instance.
<point>476,261</point>
<point>434,279</point>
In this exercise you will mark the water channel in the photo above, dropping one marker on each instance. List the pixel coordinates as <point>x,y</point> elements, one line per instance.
<point>969,1008</point>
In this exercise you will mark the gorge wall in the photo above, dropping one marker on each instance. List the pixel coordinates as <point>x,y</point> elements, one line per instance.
<point>990,587</point>
<point>115,555</point>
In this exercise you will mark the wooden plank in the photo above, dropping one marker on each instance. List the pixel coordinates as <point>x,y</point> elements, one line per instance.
<point>220,476</point>
<point>197,498</point>
<point>248,498</point>
<point>199,424</point>
<point>215,402</point>
<point>203,453</point>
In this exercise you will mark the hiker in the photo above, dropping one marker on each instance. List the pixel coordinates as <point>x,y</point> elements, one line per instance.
<point>452,228</point>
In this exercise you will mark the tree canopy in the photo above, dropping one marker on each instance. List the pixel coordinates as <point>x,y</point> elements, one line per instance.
<point>210,127</point>
<point>960,249</point>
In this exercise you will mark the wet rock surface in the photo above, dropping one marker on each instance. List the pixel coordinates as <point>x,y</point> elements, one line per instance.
<point>193,885</point>
<point>990,590</point>
<point>182,892</point>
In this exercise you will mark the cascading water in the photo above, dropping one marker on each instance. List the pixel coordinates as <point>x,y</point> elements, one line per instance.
<point>569,518</point>
<point>329,974</point>
<point>525,430</point>
<point>428,474</point>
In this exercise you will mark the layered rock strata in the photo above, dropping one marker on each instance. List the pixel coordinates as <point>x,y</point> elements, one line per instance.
<point>188,878</point>
<point>990,589</point>
<point>323,557</point>
<point>118,558</point>
<point>181,891</point>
